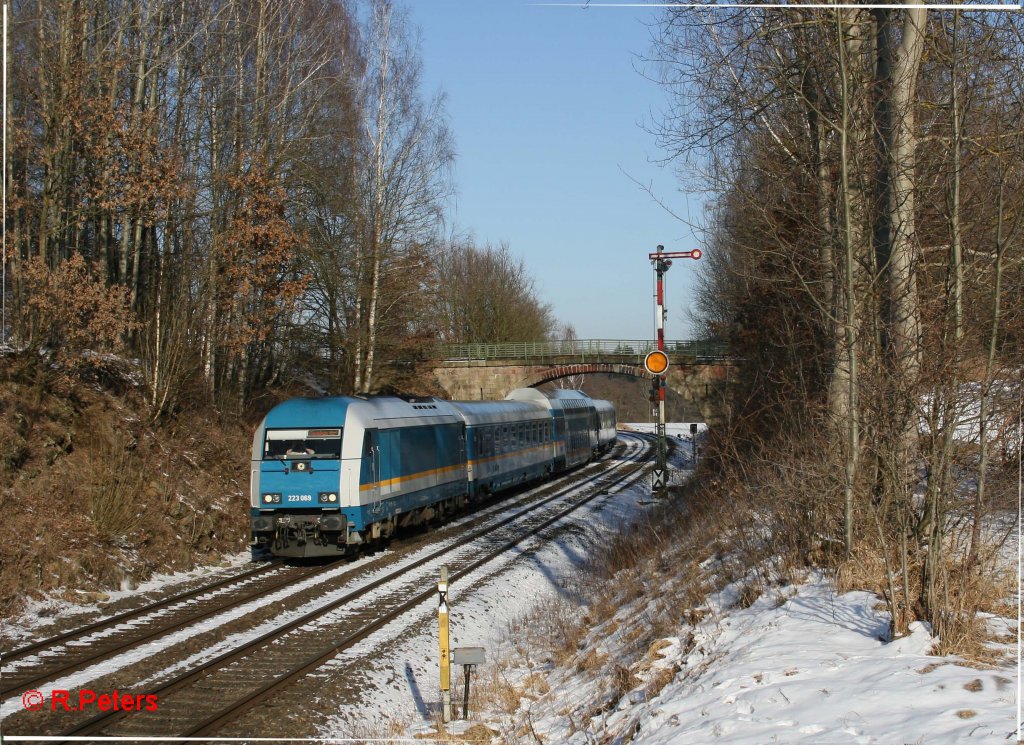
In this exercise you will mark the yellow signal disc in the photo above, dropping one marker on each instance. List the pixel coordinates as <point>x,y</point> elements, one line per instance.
<point>656,362</point>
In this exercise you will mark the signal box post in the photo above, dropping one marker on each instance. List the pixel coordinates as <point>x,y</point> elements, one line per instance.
<point>657,361</point>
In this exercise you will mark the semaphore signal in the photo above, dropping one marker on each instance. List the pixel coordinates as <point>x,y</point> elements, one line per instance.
<point>657,361</point>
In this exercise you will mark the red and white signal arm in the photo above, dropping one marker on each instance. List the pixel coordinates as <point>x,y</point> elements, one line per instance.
<point>656,362</point>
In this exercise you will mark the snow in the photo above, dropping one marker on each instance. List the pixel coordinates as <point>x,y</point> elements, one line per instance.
<point>1003,412</point>
<point>813,669</point>
<point>38,615</point>
<point>402,678</point>
<point>802,664</point>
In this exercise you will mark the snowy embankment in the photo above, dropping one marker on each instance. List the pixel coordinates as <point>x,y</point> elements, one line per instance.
<point>790,663</point>
<point>800,665</point>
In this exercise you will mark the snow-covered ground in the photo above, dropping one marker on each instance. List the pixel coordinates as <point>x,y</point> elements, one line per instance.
<point>400,661</point>
<point>38,616</point>
<point>803,665</point>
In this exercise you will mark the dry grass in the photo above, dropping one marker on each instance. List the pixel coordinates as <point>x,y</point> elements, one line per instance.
<point>965,593</point>
<point>761,522</point>
<point>591,661</point>
<point>498,693</point>
<point>116,481</point>
<point>659,679</point>
<point>98,498</point>
<point>665,553</point>
<point>749,593</point>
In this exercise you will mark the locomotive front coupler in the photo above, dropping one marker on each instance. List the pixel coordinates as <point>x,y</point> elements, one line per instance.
<point>281,537</point>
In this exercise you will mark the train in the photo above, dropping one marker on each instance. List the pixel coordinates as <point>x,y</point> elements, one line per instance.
<point>331,475</point>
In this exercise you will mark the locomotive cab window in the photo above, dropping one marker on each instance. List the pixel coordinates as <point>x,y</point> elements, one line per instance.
<point>285,444</point>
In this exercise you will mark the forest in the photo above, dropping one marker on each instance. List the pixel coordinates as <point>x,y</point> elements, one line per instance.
<point>864,247</point>
<point>241,194</point>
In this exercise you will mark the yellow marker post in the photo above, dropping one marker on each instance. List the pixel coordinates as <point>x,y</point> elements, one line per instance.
<point>446,665</point>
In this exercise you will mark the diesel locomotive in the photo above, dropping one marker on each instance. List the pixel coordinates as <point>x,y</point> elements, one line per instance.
<point>329,475</point>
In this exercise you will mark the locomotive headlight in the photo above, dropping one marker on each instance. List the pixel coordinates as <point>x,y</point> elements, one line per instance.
<point>274,498</point>
<point>328,496</point>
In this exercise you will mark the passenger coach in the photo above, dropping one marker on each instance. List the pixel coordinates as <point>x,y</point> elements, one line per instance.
<point>330,474</point>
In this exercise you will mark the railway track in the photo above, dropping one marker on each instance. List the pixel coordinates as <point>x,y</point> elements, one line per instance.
<point>36,663</point>
<point>266,661</point>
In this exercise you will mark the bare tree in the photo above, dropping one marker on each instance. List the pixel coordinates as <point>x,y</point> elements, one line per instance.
<point>487,295</point>
<point>844,148</point>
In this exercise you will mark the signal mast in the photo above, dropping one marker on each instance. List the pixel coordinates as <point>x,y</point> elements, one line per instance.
<point>656,363</point>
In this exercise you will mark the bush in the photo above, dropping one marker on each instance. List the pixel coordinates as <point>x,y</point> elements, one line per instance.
<point>71,308</point>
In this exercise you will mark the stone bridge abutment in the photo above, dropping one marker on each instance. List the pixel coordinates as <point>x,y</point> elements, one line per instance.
<point>703,384</point>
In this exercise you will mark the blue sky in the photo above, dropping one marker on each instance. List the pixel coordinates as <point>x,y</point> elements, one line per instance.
<point>547,109</point>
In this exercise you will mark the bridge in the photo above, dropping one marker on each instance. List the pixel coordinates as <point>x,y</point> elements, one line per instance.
<point>699,370</point>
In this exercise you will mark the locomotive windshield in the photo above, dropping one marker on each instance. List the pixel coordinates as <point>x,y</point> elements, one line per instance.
<point>302,443</point>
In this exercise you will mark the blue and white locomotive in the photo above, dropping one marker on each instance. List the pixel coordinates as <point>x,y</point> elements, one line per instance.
<point>330,474</point>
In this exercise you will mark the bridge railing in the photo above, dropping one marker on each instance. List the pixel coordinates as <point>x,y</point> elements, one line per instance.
<point>585,350</point>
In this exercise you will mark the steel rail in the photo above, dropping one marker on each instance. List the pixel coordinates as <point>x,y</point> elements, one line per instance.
<point>236,709</point>
<point>42,644</point>
<point>22,684</point>
<point>103,720</point>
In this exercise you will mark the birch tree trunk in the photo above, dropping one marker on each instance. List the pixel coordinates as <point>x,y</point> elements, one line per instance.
<point>851,203</point>
<point>381,134</point>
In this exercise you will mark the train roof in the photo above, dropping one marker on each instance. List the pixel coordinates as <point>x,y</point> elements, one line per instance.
<point>309,412</point>
<point>338,411</point>
<point>566,393</point>
<point>559,399</point>
<point>486,412</point>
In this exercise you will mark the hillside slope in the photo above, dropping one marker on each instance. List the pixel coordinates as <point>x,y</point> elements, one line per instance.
<point>94,496</point>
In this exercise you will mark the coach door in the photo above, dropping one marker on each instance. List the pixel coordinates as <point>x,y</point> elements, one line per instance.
<point>370,472</point>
